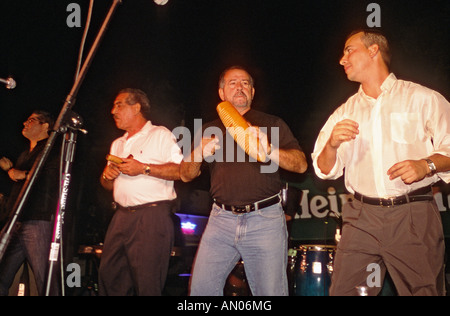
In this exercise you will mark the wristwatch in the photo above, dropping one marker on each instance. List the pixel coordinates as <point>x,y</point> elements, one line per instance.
<point>147,170</point>
<point>432,166</point>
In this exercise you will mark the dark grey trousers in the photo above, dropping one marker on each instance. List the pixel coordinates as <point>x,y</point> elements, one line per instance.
<point>136,252</point>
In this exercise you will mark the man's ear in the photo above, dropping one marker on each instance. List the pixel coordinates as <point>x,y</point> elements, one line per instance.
<point>138,108</point>
<point>374,50</point>
<point>46,126</point>
<point>221,94</point>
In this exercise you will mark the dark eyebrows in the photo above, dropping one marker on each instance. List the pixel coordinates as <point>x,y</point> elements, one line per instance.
<point>347,48</point>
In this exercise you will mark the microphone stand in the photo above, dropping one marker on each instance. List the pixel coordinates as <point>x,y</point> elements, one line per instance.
<point>67,158</point>
<point>68,104</point>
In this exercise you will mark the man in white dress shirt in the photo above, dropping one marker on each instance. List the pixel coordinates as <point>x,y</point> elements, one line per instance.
<point>393,140</point>
<point>139,240</point>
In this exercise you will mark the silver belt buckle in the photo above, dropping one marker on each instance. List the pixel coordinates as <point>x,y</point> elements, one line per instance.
<point>390,199</point>
<point>241,210</point>
<point>392,202</point>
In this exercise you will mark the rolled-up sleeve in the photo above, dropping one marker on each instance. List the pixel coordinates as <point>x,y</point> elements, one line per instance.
<point>439,126</point>
<point>322,139</point>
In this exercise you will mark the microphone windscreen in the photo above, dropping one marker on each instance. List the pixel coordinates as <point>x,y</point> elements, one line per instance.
<point>238,127</point>
<point>11,83</point>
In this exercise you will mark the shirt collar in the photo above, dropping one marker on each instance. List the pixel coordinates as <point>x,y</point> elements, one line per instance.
<point>43,141</point>
<point>144,129</point>
<point>387,85</point>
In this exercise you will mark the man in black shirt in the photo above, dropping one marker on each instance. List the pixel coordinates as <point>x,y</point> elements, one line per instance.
<point>32,235</point>
<point>5,164</point>
<point>247,220</point>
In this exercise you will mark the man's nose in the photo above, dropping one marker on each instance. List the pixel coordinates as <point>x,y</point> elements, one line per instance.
<point>239,85</point>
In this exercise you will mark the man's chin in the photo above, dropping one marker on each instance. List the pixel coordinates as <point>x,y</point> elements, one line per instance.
<point>240,103</point>
<point>352,77</point>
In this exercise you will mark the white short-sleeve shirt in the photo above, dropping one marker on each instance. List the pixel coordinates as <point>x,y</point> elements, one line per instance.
<point>152,145</point>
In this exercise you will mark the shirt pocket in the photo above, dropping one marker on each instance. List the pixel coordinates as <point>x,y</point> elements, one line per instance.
<point>405,127</point>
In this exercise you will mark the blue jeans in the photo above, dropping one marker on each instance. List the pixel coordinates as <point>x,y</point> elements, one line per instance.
<point>259,238</point>
<point>31,242</point>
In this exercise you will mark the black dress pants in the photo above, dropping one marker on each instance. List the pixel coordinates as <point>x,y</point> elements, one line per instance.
<point>136,252</point>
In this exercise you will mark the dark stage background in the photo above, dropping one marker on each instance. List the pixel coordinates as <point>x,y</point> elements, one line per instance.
<point>176,53</point>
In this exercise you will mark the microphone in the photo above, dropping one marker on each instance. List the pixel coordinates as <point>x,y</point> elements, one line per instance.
<point>161,2</point>
<point>10,83</point>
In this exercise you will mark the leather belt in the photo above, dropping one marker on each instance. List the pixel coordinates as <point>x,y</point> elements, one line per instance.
<point>243,209</point>
<point>136,208</point>
<point>420,195</point>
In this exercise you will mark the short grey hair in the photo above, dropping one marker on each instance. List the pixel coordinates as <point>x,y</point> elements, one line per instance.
<point>222,76</point>
<point>138,96</point>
